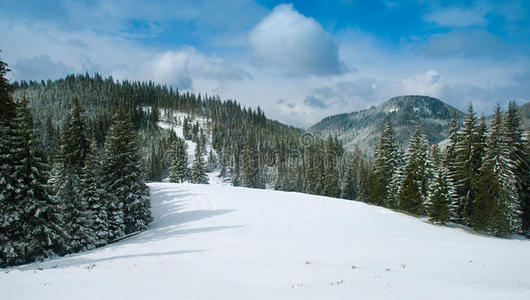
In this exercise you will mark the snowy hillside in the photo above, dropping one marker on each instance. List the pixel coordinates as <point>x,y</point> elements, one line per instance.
<point>221,242</point>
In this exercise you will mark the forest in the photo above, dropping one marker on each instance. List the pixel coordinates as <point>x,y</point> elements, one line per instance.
<point>76,154</point>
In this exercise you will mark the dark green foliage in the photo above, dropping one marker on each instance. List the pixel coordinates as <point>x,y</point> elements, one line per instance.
<point>251,163</point>
<point>465,167</point>
<point>30,218</point>
<point>178,170</point>
<point>385,164</point>
<point>123,177</point>
<point>331,180</point>
<point>439,199</point>
<point>416,174</point>
<point>198,170</point>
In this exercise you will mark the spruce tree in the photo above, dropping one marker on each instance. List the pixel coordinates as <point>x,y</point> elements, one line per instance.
<point>464,168</point>
<point>496,208</point>
<point>198,170</point>
<point>416,174</point>
<point>439,197</point>
<point>123,178</point>
<point>235,168</point>
<point>94,195</point>
<point>251,168</point>
<point>30,217</point>
<point>517,156</point>
<point>178,168</point>
<point>74,148</point>
<point>385,164</point>
<point>331,180</point>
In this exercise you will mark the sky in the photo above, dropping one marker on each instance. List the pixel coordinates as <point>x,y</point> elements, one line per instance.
<point>300,61</point>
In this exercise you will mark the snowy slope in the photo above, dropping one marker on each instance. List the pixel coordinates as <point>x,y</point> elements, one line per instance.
<point>222,242</point>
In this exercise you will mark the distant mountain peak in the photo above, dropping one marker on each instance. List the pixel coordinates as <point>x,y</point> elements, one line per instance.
<point>362,128</point>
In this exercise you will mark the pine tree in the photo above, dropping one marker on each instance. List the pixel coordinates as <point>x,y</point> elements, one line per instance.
<point>310,184</point>
<point>496,202</point>
<point>416,174</point>
<point>198,170</point>
<point>74,149</point>
<point>178,169</point>
<point>439,197</point>
<point>236,169</point>
<point>517,151</point>
<point>212,161</point>
<point>524,188</point>
<point>331,180</point>
<point>94,195</point>
<point>465,168</point>
<point>251,168</point>
<point>30,217</point>
<point>123,178</point>
<point>385,164</point>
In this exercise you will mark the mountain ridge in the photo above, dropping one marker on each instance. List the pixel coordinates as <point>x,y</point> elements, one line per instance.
<point>362,128</point>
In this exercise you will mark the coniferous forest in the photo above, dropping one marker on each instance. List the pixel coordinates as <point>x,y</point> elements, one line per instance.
<point>76,154</point>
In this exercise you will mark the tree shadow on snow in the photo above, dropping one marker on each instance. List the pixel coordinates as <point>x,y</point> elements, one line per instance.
<point>77,260</point>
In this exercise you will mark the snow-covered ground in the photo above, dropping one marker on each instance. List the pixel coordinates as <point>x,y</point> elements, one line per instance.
<point>221,242</point>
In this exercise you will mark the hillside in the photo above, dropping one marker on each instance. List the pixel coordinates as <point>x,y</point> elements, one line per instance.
<point>363,128</point>
<point>216,241</point>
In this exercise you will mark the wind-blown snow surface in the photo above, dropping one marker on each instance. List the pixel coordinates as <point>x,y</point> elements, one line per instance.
<point>222,242</point>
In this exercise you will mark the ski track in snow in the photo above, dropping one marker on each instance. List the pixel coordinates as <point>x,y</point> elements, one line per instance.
<point>221,242</point>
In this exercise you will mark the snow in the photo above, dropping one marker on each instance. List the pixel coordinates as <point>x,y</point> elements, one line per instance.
<point>177,128</point>
<point>221,242</point>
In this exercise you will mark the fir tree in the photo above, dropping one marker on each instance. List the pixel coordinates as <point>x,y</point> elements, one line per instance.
<point>198,170</point>
<point>212,161</point>
<point>74,149</point>
<point>439,198</point>
<point>178,169</point>
<point>385,164</point>
<point>123,178</point>
<point>464,168</point>
<point>517,156</point>
<point>496,208</point>
<point>251,168</point>
<point>30,218</point>
<point>331,180</point>
<point>416,174</point>
<point>236,169</point>
<point>94,195</point>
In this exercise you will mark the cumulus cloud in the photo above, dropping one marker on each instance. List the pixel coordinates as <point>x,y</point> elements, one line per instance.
<point>181,67</point>
<point>295,43</point>
<point>429,83</point>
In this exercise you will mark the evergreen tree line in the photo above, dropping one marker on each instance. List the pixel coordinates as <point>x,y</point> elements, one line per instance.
<point>81,199</point>
<point>480,179</point>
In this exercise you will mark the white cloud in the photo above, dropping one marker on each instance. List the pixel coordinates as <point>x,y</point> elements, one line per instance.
<point>295,43</point>
<point>180,67</point>
<point>457,17</point>
<point>428,83</point>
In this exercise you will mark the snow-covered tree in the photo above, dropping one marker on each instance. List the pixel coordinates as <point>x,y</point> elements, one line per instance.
<point>438,204</point>
<point>198,170</point>
<point>123,177</point>
<point>30,219</point>
<point>496,206</point>
<point>416,174</point>
<point>331,174</point>
<point>384,167</point>
<point>178,168</point>
<point>465,167</point>
<point>94,195</point>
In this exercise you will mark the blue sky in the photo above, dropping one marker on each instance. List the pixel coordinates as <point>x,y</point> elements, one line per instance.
<point>299,60</point>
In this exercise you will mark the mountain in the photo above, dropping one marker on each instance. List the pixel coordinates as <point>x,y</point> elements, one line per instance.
<point>363,128</point>
<point>221,242</point>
